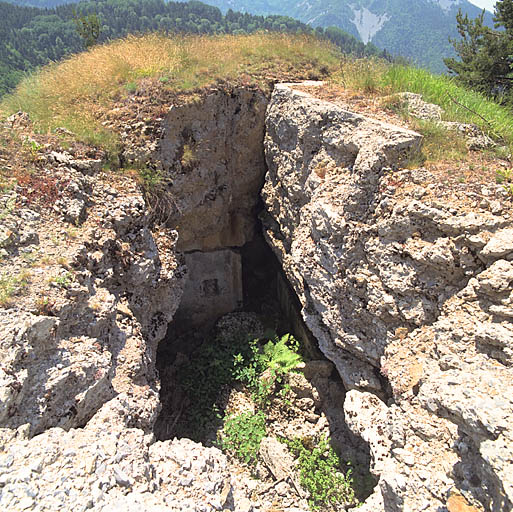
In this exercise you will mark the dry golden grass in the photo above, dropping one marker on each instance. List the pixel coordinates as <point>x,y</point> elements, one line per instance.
<point>68,93</point>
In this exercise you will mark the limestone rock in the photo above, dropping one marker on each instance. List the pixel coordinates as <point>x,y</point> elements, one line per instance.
<point>276,457</point>
<point>417,107</point>
<point>500,245</point>
<point>365,416</point>
<point>393,281</point>
<point>215,184</point>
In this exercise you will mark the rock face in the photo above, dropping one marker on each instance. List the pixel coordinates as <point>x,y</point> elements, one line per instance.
<point>407,287</point>
<point>414,292</point>
<point>212,187</point>
<point>325,166</point>
<point>212,289</point>
<point>213,182</point>
<point>85,337</point>
<point>115,470</point>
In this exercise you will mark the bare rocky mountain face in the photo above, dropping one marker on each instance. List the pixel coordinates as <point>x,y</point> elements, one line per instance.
<point>406,287</point>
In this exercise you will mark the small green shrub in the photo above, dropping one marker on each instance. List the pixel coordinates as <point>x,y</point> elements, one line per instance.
<point>63,281</point>
<point>151,180</point>
<point>188,158</point>
<point>131,87</point>
<point>504,177</point>
<point>277,357</point>
<point>320,474</point>
<point>242,434</point>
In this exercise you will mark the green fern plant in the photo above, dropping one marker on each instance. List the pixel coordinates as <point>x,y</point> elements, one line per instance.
<point>282,356</point>
<point>277,357</point>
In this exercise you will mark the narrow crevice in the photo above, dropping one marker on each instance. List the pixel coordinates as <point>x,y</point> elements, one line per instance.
<point>246,285</point>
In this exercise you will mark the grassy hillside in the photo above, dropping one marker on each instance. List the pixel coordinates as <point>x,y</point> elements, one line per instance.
<point>72,93</point>
<point>32,37</point>
<point>418,30</point>
<point>376,77</point>
<point>77,92</point>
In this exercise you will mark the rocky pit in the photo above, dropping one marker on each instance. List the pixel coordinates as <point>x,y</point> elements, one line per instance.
<point>404,286</point>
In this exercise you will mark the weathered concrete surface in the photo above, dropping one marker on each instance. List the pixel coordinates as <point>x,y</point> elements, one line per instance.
<point>211,152</point>
<point>400,277</point>
<point>213,288</point>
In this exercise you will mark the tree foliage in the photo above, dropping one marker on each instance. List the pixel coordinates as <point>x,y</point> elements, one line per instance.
<point>485,54</point>
<point>88,28</point>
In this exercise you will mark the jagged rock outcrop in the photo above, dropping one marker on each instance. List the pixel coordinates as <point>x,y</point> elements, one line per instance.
<point>109,469</point>
<point>98,297</point>
<point>207,149</point>
<point>417,291</point>
<point>406,285</point>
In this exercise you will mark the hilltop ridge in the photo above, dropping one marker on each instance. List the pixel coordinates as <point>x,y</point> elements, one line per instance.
<point>416,30</point>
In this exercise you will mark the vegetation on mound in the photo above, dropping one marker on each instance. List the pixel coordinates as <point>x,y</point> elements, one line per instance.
<point>377,77</point>
<point>33,37</point>
<point>79,92</point>
<point>320,475</point>
<point>72,93</point>
<point>225,362</point>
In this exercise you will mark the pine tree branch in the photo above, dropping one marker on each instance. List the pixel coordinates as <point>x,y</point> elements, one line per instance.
<point>470,110</point>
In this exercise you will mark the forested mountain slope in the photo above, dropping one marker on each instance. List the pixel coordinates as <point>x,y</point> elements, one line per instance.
<point>31,37</point>
<point>417,29</point>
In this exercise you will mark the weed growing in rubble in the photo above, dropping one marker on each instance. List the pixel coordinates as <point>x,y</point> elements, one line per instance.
<point>320,473</point>
<point>11,286</point>
<point>504,177</point>
<point>242,434</point>
<point>266,366</point>
<point>188,158</point>
<point>63,281</point>
<point>220,364</point>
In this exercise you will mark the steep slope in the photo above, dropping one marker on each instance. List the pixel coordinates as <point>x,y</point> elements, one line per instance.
<point>415,29</point>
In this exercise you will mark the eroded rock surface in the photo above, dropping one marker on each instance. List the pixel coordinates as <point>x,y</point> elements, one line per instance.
<point>211,153</point>
<point>413,289</point>
<point>406,286</point>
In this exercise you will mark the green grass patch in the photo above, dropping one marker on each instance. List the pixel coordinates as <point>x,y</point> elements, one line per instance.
<point>459,103</point>
<point>10,286</point>
<point>438,143</point>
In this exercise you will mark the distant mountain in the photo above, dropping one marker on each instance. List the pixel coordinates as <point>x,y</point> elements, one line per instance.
<point>42,4</point>
<point>416,29</point>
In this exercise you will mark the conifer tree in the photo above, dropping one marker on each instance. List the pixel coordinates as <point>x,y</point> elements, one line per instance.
<point>88,28</point>
<point>485,55</point>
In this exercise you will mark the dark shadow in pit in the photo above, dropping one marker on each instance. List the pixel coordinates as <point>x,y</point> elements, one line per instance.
<point>198,363</point>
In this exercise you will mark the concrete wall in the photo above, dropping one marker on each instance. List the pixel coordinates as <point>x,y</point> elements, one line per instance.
<point>213,288</point>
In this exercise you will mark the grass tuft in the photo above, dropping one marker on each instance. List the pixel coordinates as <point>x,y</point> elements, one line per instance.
<point>10,286</point>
